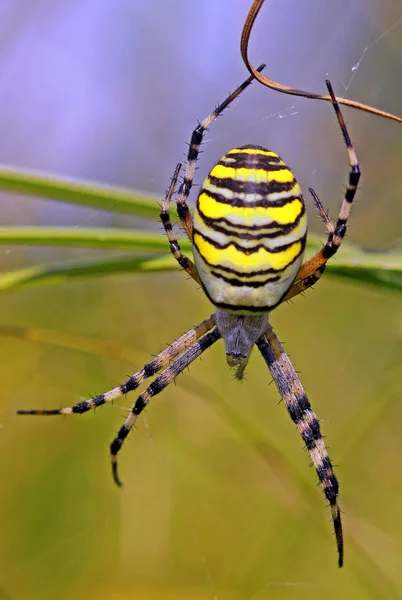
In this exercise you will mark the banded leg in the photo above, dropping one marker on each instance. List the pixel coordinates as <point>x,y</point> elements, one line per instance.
<point>175,249</point>
<point>192,156</point>
<point>161,361</point>
<point>301,413</point>
<point>329,226</point>
<point>157,386</point>
<point>309,275</point>
<point>312,269</point>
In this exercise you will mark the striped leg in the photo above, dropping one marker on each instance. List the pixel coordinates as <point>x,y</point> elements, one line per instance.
<point>301,413</point>
<point>312,269</point>
<point>175,249</point>
<point>309,274</point>
<point>329,226</point>
<point>192,156</point>
<point>161,361</point>
<point>159,384</point>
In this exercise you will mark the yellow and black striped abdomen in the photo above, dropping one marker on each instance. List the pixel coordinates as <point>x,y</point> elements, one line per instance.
<point>250,230</point>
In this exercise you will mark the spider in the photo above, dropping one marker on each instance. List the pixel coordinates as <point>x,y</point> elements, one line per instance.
<point>248,233</point>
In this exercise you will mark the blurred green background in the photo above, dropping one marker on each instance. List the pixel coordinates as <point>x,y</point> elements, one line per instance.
<point>218,500</point>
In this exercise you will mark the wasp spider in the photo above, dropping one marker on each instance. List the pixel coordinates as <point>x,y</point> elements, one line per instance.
<point>248,232</point>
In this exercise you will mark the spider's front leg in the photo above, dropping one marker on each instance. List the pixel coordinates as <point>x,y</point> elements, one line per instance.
<point>175,249</point>
<point>312,269</point>
<point>184,191</point>
<point>192,156</point>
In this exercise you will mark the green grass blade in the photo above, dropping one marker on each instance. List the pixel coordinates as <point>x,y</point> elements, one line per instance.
<point>114,239</point>
<point>384,271</point>
<point>380,269</point>
<point>81,192</point>
<point>67,271</point>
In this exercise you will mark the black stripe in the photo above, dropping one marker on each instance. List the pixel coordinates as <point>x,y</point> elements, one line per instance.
<point>237,153</point>
<point>139,405</point>
<point>250,187</point>
<point>354,175</point>
<point>187,183</point>
<point>340,229</point>
<point>160,383</point>
<point>196,139</point>
<point>250,231</point>
<point>350,194</point>
<point>234,308</point>
<point>252,309</point>
<point>253,161</point>
<point>236,273</point>
<point>150,369</point>
<point>244,250</point>
<point>311,433</point>
<point>183,212</point>
<point>118,441</point>
<point>86,405</point>
<point>239,283</point>
<point>264,202</point>
<point>165,218</point>
<point>310,280</point>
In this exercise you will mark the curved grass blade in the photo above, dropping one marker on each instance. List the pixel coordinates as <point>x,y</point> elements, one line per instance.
<point>80,192</point>
<point>113,239</point>
<point>68,271</point>
<point>380,269</point>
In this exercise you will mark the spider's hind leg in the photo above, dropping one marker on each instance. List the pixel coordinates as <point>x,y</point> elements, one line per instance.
<point>158,385</point>
<point>161,361</point>
<point>302,414</point>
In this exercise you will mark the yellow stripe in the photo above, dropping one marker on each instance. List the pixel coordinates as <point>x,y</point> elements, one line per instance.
<point>283,215</point>
<point>247,263</point>
<point>257,175</point>
<point>254,151</point>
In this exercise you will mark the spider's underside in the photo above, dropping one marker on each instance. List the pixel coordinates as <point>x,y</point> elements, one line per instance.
<point>239,334</point>
<point>248,236</point>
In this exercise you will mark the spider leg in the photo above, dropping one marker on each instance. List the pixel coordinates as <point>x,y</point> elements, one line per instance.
<point>329,226</point>
<point>184,190</point>
<point>192,156</point>
<point>175,249</point>
<point>301,413</point>
<point>160,361</point>
<point>157,386</point>
<point>312,269</point>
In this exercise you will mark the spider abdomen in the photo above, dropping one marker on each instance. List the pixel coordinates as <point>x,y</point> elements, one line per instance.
<point>249,230</point>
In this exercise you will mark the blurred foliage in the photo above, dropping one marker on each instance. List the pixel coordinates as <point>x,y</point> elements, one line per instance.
<point>213,445</point>
<point>217,492</point>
